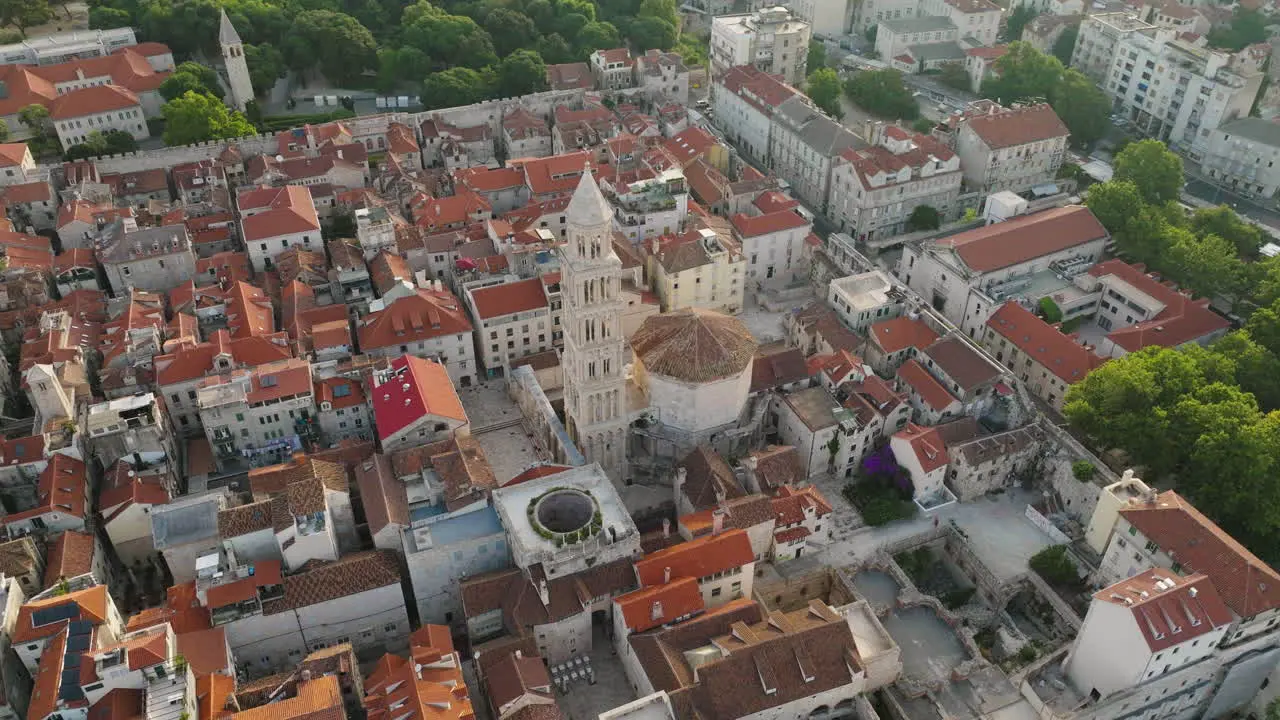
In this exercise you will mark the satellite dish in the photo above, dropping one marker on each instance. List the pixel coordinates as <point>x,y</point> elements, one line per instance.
<point>279,158</point>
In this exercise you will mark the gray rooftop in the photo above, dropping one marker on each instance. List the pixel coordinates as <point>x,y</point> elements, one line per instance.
<point>1256,129</point>
<point>188,520</point>
<point>117,246</point>
<point>919,24</point>
<point>929,52</point>
<point>826,136</point>
<point>227,34</point>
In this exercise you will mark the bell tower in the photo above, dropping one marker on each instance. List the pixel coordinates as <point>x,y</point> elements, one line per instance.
<point>237,67</point>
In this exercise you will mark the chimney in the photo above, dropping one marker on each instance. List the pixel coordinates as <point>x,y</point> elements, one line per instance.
<point>656,612</point>
<point>666,575</point>
<point>306,675</point>
<point>666,527</point>
<point>717,522</point>
<point>519,654</point>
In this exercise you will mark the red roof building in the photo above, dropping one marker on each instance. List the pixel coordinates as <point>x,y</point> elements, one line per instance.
<point>414,403</point>
<point>659,605</point>
<point>724,554</point>
<point>1048,361</point>
<point>1167,317</point>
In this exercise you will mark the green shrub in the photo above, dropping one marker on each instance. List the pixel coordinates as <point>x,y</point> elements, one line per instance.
<point>1027,654</point>
<point>957,598</point>
<point>1055,566</point>
<point>878,505</point>
<point>1050,311</point>
<point>1083,470</point>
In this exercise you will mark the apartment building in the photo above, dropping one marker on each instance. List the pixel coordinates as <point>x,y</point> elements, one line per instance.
<point>612,68</point>
<point>1176,91</point>
<point>258,416</point>
<point>977,20</point>
<point>1101,35</point>
<point>513,320</point>
<point>1138,310</point>
<point>1241,155</point>
<point>874,190</point>
<point>17,165</point>
<point>745,100</point>
<point>158,258</point>
<point>664,73</point>
<point>803,141</point>
<point>772,39</point>
<point>274,219</point>
<point>1047,361</point>
<point>773,236</point>
<point>1011,149</point>
<point>722,563</point>
<point>414,403</point>
<point>430,323</point>
<point>650,207</point>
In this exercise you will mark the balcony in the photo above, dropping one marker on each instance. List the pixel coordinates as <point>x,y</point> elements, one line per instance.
<point>221,395</point>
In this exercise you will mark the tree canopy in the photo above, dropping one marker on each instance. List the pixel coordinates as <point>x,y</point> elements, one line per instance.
<point>882,93</point>
<point>823,88</point>
<point>924,217</point>
<point>1018,20</point>
<point>817,57</point>
<point>191,77</point>
<point>1026,74</point>
<point>97,143</point>
<point>1247,28</point>
<point>1151,166</point>
<point>196,117</point>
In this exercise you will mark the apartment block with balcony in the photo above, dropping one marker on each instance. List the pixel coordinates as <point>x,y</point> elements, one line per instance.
<point>134,429</point>
<point>702,268</point>
<point>1100,35</point>
<point>651,207</point>
<point>512,320</point>
<point>772,39</point>
<point>258,416</point>
<point>1011,149</point>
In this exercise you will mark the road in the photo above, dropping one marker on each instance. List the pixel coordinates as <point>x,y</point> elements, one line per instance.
<point>1216,195</point>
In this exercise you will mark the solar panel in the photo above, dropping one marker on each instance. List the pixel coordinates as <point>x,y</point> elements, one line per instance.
<point>46,616</point>
<point>81,627</point>
<point>78,643</point>
<point>71,691</point>
<point>72,660</point>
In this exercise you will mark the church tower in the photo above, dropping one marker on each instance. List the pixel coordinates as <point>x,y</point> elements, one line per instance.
<point>237,68</point>
<point>595,388</point>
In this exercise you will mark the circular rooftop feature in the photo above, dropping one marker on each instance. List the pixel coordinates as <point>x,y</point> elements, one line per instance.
<point>565,510</point>
<point>694,345</point>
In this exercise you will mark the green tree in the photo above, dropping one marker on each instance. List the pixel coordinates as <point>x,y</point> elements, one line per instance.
<point>448,39</point>
<point>1050,311</point>
<point>97,143</point>
<point>1023,73</point>
<point>266,66</point>
<point>36,118</point>
<point>196,117</point>
<point>510,30</point>
<point>597,36</point>
<point>1082,107</point>
<point>1055,565</point>
<point>652,32</point>
<point>1255,368</point>
<point>1247,28</point>
<point>23,14</point>
<point>553,49</point>
<point>817,57</point>
<point>823,88</point>
<point>520,73</point>
<point>1113,203</point>
<point>1017,20</point>
<point>882,93</point>
<point>194,77</point>
<point>106,18</point>
<point>1065,46</point>
<point>924,217</point>
<point>4,131</point>
<point>1153,168</point>
<point>335,42</point>
<point>1226,224</point>
<point>453,87</point>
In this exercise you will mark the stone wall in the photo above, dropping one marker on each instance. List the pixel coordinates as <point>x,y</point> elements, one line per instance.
<point>792,593</point>
<point>549,433</point>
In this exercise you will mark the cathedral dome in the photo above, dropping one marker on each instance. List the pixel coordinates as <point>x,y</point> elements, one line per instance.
<point>694,345</point>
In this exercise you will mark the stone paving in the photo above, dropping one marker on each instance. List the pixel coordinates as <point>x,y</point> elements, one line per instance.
<point>496,423</point>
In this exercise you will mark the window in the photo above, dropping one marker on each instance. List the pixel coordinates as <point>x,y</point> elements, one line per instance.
<point>715,592</point>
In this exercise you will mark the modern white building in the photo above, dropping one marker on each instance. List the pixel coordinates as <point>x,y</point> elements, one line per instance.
<point>67,46</point>
<point>772,39</point>
<point>864,299</point>
<point>1101,35</point>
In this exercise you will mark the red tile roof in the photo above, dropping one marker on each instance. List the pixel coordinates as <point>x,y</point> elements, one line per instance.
<point>498,300</point>
<point>1182,320</point>
<point>423,388</point>
<point>290,211</point>
<point>650,607</point>
<point>61,488</point>
<point>1247,584</point>
<point>1025,238</point>
<point>413,318</point>
<point>1044,343</point>
<point>38,191</point>
<point>790,503</point>
<point>1009,128</point>
<point>71,556</point>
<point>1167,608</point>
<point>698,558</point>
<point>746,226</point>
<point>901,333</point>
<point>91,602</point>
<point>91,101</point>
<point>760,89</point>
<point>925,385</point>
<point>927,444</point>
<point>13,154</point>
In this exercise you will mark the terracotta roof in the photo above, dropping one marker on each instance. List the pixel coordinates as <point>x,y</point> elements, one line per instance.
<point>698,558</point>
<point>349,575</point>
<point>754,226</point>
<point>386,269</point>
<point>1169,609</point>
<point>91,604</point>
<point>516,676</point>
<point>1012,242</point>
<point>651,607</point>
<point>570,76</point>
<point>19,556</point>
<point>13,154</point>
<point>1182,320</point>
<point>70,556</point>
<point>776,466</point>
<point>739,513</point>
<point>384,496</point>
<point>91,101</point>
<point>1247,585</point>
<point>25,193</point>
<point>499,300</point>
<point>694,345</point>
<point>182,610</point>
<point>424,315</point>
<point>426,686</point>
<point>244,519</point>
<point>1010,128</point>
<point>48,680</point>
<point>901,333</point>
<point>925,385</point>
<point>707,478</point>
<point>762,90</point>
<point>75,258</point>
<point>789,504</point>
<point>661,651</point>
<point>1044,343</point>
<point>289,210</point>
<point>966,366</point>
<point>780,367</point>
<point>317,699</point>
<point>61,488</point>
<point>927,444</point>
<point>205,650</point>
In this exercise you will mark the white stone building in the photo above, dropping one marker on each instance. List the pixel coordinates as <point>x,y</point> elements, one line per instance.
<point>865,299</point>
<point>1241,156</point>
<point>772,39</point>
<point>1101,35</point>
<point>513,319</point>
<point>99,108</point>
<point>702,268</point>
<point>803,143</point>
<point>257,416</point>
<point>875,190</point>
<point>773,234</point>
<point>1009,149</point>
<point>274,219</point>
